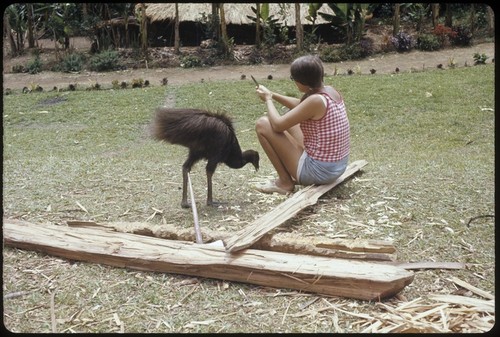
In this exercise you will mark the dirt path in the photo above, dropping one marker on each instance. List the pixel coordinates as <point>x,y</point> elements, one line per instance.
<point>383,64</point>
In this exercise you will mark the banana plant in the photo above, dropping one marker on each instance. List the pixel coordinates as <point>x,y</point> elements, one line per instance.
<point>349,17</point>
<point>268,22</point>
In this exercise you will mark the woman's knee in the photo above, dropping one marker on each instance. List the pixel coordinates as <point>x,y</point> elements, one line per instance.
<point>263,126</point>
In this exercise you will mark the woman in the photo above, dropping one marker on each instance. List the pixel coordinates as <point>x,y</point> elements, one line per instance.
<point>310,143</point>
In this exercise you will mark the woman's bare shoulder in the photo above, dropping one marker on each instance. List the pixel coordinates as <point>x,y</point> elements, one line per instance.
<point>332,92</point>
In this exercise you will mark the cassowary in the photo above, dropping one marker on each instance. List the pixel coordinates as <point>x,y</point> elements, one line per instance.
<point>208,136</point>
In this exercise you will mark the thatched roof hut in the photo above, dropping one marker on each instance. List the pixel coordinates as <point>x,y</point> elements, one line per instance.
<point>235,13</point>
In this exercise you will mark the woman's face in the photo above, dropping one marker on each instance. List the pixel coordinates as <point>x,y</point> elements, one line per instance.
<point>302,88</point>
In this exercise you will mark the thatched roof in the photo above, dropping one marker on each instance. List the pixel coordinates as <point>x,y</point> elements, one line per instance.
<point>234,13</point>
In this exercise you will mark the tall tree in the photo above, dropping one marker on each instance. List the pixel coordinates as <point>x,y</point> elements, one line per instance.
<point>448,19</point>
<point>396,19</point>
<point>215,21</point>
<point>299,30</point>
<point>435,14</point>
<point>491,20</point>
<point>177,40</point>
<point>7,31</point>
<point>472,18</point>
<point>31,37</point>
<point>257,26</point>
<point>143,28</point>
<point>225,40</point>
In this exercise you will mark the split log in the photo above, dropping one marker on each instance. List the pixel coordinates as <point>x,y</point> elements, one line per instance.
<point>328,276</point>
<point>363,249</point>
<point>288,209</point>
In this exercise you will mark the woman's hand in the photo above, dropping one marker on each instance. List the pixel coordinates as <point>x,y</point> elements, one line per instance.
<point>264,93</point>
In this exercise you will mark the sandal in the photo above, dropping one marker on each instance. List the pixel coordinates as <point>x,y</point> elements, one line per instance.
<point>270,187</point>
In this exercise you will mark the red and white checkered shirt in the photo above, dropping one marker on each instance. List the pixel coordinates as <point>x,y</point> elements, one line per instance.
<point>328,139</point>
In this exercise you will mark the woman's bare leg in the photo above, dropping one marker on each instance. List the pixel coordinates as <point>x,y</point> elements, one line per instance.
<point>283,150</point>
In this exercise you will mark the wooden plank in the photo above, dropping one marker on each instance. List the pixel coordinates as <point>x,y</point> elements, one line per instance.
<point>288,209</point>
<point>363,249</point>
<point>470,287</point>
<point>322,275</point>
<point>475,303</point>
<point>429,265</point>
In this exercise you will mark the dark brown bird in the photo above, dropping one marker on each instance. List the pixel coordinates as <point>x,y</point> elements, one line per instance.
<point>350,72</point>
<point>207,135</point>
<point>373,71</point>
<point>397,70</point>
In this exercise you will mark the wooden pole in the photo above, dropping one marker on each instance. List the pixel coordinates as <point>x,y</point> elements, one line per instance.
<point>197,229</point>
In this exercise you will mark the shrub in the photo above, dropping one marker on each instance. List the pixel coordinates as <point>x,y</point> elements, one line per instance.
<point>72,62</point>
<point>18,68</point>
<point>480,58</point>
<point>351,52</point>
<point>443,33</point>
<point>366,46</point>
<point>190,61</point>
<point>428,42</point>
<point>137,83</point>
<point>462,37</point>
<point>403,42</point>
<point>330,54</point>
<point>35,65</point>
<point>105,61</point>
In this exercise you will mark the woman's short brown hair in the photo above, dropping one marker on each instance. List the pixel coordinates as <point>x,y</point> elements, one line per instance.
<point>308,70</point>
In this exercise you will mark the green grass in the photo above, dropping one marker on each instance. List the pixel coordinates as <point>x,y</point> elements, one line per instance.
<point>430,148</point>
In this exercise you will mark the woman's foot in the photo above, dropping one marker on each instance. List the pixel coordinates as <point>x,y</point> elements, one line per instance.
<point>273,187</point>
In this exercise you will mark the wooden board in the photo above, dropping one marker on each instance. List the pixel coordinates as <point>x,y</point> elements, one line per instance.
<point>322,275</point>
<point>363,249</point>
<point>288,209</point>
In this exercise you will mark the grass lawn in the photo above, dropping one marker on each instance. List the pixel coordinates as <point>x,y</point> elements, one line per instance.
<point>86,155</point>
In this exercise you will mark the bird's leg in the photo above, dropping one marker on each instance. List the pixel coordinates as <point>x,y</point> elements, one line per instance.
<point>210,201</point>
<point>210,172</point>
<point>184,203</point>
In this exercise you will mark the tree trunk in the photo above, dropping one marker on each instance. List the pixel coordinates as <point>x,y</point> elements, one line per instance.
<point>225,40</point>
<point>396,19</point>
<point>31,39</point>
<point>472,18</point>
<point>127,39</point>
<point>299,30</point>
<point>328,276</point>
<point>491,20</point>
<point>215,21</point>
<point>8,31</point>
<point>435,14</point>
<point>177,39</point>
<point>144,30</point>
<point>448,18</point>
<point>257,26</point>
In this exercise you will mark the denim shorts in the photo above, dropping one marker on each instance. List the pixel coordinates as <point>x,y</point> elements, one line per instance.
<point>316,172</point>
